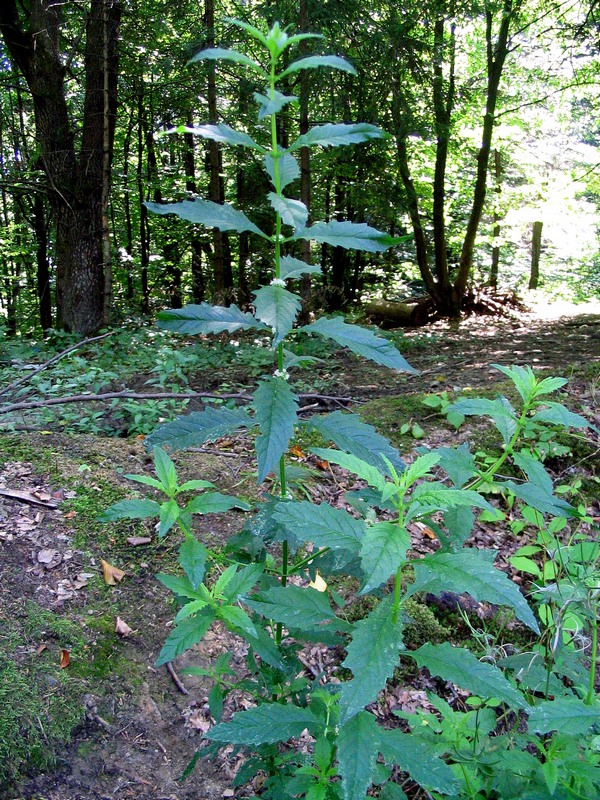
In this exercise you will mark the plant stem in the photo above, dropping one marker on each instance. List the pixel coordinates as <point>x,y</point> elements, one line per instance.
<point>592,680</point>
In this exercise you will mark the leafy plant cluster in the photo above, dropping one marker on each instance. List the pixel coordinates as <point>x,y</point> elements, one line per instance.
<point>528,728</point>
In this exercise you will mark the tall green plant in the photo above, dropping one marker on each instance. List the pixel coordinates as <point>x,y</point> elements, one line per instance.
<point>264,594</point>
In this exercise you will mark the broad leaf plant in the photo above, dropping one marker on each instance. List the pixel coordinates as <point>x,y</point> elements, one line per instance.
<point>274,585</point>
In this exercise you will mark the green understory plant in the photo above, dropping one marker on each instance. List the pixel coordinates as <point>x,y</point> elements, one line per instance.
<point>274,585</point>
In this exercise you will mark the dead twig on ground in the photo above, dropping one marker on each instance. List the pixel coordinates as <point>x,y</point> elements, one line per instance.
<point>176,678</point>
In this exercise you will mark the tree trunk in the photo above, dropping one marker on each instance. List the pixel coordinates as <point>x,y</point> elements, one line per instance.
<point>75,179</point>
<point>496,230</point>
<point>536,250</point>
<point>43,267</point>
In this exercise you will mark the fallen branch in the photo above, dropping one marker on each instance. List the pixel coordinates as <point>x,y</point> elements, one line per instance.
<point>28,497</point>
<point>176,678</point>
<point>125,394</point>
<point>51,361</point>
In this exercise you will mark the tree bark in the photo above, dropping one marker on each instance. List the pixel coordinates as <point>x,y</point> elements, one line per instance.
<point>536,251</point>
<point>496,231</point>
<point>75,178</point>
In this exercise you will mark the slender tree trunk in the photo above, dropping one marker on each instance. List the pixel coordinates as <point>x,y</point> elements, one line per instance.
<point>496,230</point>
<point>189,160</point>
<point>41,258</point>
<point>496,56</point>
<point>536,251</point>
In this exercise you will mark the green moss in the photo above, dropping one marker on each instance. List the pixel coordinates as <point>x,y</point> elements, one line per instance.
<point>422,626</point>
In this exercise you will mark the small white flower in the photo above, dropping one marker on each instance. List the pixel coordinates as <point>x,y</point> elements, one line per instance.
<point>234,343</point>
<point>281,373</point>
<point>278,282</point>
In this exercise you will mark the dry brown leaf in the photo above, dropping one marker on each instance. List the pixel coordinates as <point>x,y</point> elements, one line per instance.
<point>41,649</point>
<point>70,514</point>
<point>65,658</point>
<point>297,451</point>
<point>112,575</point>
<point>122,628</point>
<point>324,465</point>
<point>135,541</point>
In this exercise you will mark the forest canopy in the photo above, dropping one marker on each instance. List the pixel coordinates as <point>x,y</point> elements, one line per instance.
<point>490,175</point>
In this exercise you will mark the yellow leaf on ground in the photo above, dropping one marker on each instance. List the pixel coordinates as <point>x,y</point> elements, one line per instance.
<point>112,575</point>
<point>122,628</point>
<point>319,584</point>
<point>65,658</point>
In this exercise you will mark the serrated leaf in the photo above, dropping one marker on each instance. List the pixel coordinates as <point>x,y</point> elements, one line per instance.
<point>322,525</point>
<point>419,758</point>
<point>186,634</point>
<point>349,235</point>
<point>357,749</point>
<point>275,406</point>
<point>199,427</point>
<point>292,212</point>
<point>169,514</point>
<point>130,509</point>
<point>179,585</point>
<point>215,53</point>
<point>215,503</point>
<point>360,468</point>
<point>549,385</point>
<point>535,471</point>
<point>331,135</point>
<point>534,496</point>
<point>568,715</point>
<point>265,724</point>
<point>350,433</point>
<point>277,308</point>
<point>147,481</point>
<point>458,463</point>
<point>557,414</point>
<point>522,377</point>
<point>243,580</point>
<point>195,485</point>
<point>235,617</point>
<point>471,571</point>
<point>165,469</point>
<point>293,606</point>
<point>289,169</point>
<point>499,410</point>
<point>459,522</point>
<point>383,551</point>
<point>192,557</point>
<point>461,667</point>
<point>372,656</point>
<point>294,268</point>
<point>420,467</point>
<point>205,212</point>
<point>312,62</point>
<point>361,341</point>
<point>222,133</point>
<point>439,497</point>
<point>206,318</point>
<point>274,104</point>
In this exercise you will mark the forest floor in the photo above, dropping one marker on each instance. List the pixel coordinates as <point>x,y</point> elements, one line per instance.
<point>93,718</point>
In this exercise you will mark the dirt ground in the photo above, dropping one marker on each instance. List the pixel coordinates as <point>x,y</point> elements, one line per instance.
<point>135,730</point>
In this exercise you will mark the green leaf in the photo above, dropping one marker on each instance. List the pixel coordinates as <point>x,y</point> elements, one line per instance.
<point>186,634</point>
<point>293,606</point>
<point>130,509</point>
<point>243,580</point>
<point>169,514</point>
<point>222,133</point>
<point>523,378</point>
<point>419,758</point>
<point>214,53</point>
<point>549,385</point>
<point>215,503</point>
<point>312,62</point>
<point>372,656</point>
<point>471,571</point>
<point>392,791</point>
<point>265,724</point>
<point>535,471</point>
<point>189,486</point>
<point>321,524</point>
<point>274,104</point>
<point>464,669</point>
<point>350,235</point>
<point>147,481</point>
<point>192,557</point>
<point>180,586</point>
<point>557,414</point>
<point>335,135</point>
<point>568,715</point>
<point>254,32</point>
<point>437,496</point>
<point>277,308</point>
<point>458,463</point>
<point>361,341</point>
<point>205,212</point>
<point>236,618</point>
<point>276,407</point>
<point>289,169</point>
<point>205,318</point>
<point>294,268</point>
<point>361,468</point>
<point>350,433</point>
<point>501,412</point>
<point>199,427</point>
<point>292,212</point>
<point>534,496</point>
<point>383,551</point>
<point>357,749</point>
<point>165,469</point>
